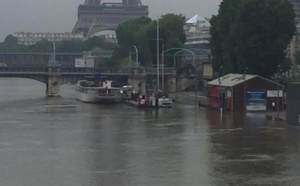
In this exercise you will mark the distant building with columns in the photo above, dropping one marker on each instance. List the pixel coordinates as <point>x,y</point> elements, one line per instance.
<point>197,38</point>
<point>197,32</point>
<point>294,46</point>
<point>30,38</point>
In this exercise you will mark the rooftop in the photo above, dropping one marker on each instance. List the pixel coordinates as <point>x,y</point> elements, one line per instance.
<point>198,20</point>
<point>231,80</point>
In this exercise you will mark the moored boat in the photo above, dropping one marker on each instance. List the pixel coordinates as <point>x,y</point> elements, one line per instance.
<point>102,91</point>
<point>157,99</point>
<point>160,99</point>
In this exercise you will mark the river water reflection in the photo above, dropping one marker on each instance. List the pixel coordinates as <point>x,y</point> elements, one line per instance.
<point>61,141</point>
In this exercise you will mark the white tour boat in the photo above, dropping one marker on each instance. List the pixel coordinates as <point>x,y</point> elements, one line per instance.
<point>90,91</point>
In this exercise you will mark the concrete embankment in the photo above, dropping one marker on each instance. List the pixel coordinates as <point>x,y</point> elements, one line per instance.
<point>281,115</point>
<point>190,98</point>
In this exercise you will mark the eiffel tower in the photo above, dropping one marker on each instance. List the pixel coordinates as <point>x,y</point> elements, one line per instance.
<point>95,16</point>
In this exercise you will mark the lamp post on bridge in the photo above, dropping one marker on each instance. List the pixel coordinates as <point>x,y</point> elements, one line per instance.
<point>245,94</point>
<point>180,50</point>
<point>220,95</point>
<point>278,91</point>
<point>136,56</point>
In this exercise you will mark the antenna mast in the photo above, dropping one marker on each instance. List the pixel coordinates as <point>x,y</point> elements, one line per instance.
<point>157,47</point>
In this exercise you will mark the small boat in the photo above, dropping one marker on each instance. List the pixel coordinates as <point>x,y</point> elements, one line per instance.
<point>126,92</point>
<point>102,91</point>
<point>160,99</point>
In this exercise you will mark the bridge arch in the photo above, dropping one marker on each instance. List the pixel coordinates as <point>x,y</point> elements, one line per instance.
<point>40,79</point>
<point>99,28</point>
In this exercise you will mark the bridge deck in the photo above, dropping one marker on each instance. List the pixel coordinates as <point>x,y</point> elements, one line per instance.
<point>77,71</point>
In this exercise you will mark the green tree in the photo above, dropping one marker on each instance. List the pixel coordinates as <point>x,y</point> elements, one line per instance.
<point>142,33</point>
<point>70,46</point>
<point>41,46</point>
<point>297,58</point>
<point>10,44</point>
<point>172,32</point>
<point>127,34</point>
<point>251,34</point>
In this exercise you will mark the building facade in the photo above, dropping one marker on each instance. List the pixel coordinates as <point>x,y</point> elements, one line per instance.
<point>293,104</point>
<point>197,32</point>
<point>296,7</point>
<point>30,38</point>
<point>294,46</point>
<point>197,39</point>
<point>245,92</point>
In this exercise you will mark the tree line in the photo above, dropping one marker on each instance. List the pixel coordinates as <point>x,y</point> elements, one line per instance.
<point>252,36</point>
<point>140,32</point>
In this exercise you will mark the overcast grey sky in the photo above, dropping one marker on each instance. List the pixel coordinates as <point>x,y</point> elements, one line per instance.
<point>61,15</point>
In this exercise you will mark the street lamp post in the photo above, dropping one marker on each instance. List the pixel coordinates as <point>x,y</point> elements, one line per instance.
<point>163,69</point>
<point>245,93</point>
<point>157,52</point>
<point>129,64</point>
<point>220,105</point>
<point>180,50</point>
<point>278,91</point>
<point>174,66</point>
<point>136,56</point>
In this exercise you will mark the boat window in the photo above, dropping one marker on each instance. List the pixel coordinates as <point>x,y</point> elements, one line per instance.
<point>92,91</point>
<point>104,91</point>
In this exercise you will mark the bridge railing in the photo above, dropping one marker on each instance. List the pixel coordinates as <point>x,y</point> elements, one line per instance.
<point>23,69</point>
<point>72,70</point>
<point>154,70</point>
<point>115,71</point>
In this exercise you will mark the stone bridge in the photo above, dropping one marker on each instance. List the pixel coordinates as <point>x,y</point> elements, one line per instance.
<point>139,78</point>
<point>41,59</point>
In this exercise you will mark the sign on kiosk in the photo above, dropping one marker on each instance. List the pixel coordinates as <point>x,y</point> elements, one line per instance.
<point>274,93</point>
<point>256,100</point>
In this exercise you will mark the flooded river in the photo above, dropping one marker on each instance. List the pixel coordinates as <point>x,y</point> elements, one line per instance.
<point>63,142</point>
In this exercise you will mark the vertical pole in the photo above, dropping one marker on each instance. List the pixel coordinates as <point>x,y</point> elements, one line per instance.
<point>278,92</point>
<point>162,69</point>
<point>245,93</point>
<point>219,91</point>
<point>157,47</point>
<point>174,61</point>
<point>54,54</point>
<point>136,56</point>
<point>195,78</point>
<point>129,62</point>
<point>176,78</point>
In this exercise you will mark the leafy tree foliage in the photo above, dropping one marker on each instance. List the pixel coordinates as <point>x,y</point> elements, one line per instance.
<point>297,58</point>
<point>142,33</point>
<point>251,35</point>
<point>10,44</point>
